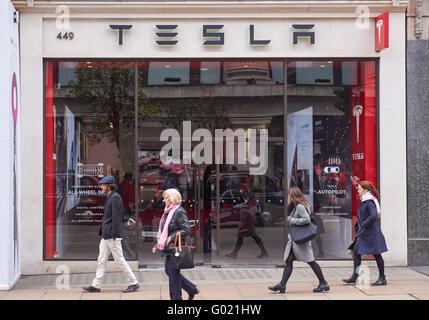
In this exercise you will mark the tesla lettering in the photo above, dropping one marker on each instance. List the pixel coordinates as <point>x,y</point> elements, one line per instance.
<point>167,36</point>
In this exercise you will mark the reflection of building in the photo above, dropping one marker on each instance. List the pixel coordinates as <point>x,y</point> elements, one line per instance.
<point>240,73</point>
<point>224,86</point>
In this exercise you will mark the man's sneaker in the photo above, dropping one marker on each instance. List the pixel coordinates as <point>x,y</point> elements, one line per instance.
<point>131,288</point>
<point>91,289</point>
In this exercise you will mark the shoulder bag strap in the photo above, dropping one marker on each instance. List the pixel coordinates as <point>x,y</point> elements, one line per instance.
<point>178,238</point>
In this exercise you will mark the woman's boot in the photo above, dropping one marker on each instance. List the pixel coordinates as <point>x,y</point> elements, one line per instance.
<point>352,279</point>
<point>322,287</point>
<point>381,281</point>
<point>278,287</point>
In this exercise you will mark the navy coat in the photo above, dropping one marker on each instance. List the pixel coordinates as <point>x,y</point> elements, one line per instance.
<point>371,240</point>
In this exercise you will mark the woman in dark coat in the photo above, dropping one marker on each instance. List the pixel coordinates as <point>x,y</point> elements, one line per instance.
<point>368,239</point>
<point>174,219</point>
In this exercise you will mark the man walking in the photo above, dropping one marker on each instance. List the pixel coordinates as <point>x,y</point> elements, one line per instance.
<point>112,232</point>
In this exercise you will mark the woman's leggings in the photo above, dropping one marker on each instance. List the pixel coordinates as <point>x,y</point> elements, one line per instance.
<point>287,271</point>
<point>380,263</point>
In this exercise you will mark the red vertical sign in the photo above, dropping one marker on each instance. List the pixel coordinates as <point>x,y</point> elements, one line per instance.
<point>50,163</point>
<point>382,31</point>
<point>363,133</point>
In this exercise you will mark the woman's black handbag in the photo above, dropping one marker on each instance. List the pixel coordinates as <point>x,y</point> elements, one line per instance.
<point>182,256</point>
<point>301,234</point>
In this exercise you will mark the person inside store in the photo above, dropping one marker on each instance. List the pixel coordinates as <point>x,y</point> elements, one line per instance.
<point>128,194</point>
<point>174,219</point>
<point>369,239</point>
<point>112,232</point>
<point>300,215</point>
<point>317,177</point>
<point>246,228</point>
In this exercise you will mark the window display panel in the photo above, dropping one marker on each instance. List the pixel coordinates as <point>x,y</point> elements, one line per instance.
<point>89,123</point>
<point>331,143</point>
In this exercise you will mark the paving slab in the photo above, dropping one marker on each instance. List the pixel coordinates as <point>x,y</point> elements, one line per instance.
<point>253,289</point>
<point>392,297</point>
<point>3,293</point>
<point>423,269</point>
<point>218,297</point>
<point>25,294</point>
<point>165,293</point>
<point>65,294</point>
<point>143,293</point>
<point>421,296</point>
<point>274,297</point>
<point>320,296</point>
<point>343,288</point>
<point>300,287</point>
<point>383,290</point>
<point>341,296</point>
<point>411,286</point>
<point>105,294</point>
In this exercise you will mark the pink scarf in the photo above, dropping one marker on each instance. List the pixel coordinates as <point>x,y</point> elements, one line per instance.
<point>163,235</point>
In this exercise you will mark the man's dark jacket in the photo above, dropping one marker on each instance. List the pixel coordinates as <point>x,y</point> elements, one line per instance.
<point>112,223</point>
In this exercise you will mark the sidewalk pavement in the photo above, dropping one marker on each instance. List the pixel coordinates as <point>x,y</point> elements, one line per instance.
<point>403,283</point>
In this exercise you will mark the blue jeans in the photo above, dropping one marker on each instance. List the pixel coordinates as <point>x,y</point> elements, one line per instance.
<point>176,281</point>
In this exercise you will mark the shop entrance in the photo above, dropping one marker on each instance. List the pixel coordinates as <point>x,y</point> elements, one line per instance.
<point>238,215</point>
<point>237,218</point>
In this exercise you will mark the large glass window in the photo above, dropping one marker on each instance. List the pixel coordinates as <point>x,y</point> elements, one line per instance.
<point>200,129</point>
<point>331,143</point>
<point>89,134</point>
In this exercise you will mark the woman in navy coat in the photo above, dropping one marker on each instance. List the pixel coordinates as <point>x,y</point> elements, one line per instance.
<point>369,239</point>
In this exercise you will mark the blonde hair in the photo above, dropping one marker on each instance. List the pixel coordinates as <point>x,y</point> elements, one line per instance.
<point>174,196</point>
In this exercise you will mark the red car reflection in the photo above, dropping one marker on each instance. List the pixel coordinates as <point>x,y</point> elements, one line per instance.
<point>232,204</point>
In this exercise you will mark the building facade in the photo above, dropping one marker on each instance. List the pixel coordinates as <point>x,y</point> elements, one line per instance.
<point>10,145</point>
<point>155,92</point>
<point>418,134</point>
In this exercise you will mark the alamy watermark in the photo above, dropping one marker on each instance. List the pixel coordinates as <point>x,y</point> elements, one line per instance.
<point>63,281</point>
<point>63,20</point>
<point>363,19</point>
<point>363,280</point>
<point>246,146</point>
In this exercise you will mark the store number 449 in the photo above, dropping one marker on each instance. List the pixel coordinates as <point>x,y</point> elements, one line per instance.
<point>65,36</point>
